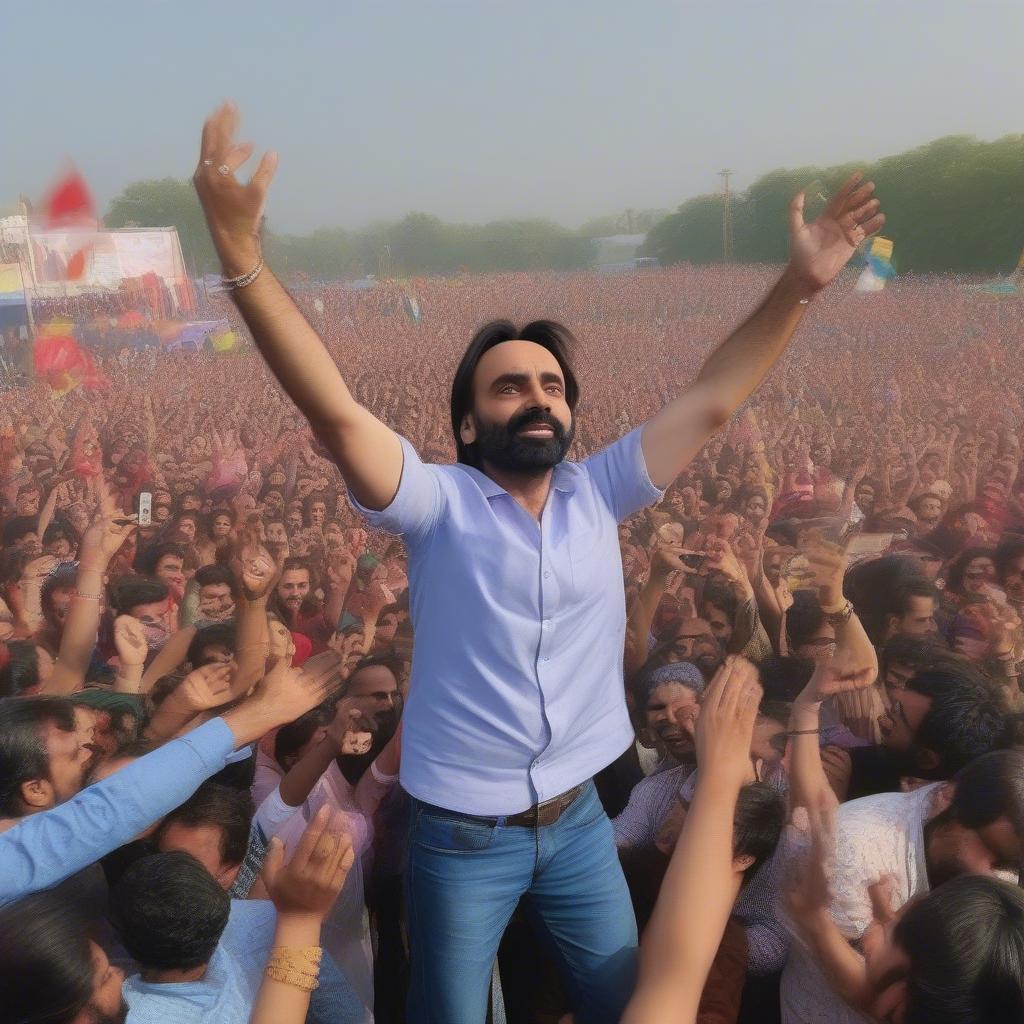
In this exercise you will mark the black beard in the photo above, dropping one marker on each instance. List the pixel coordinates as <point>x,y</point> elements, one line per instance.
<point>502,446</point>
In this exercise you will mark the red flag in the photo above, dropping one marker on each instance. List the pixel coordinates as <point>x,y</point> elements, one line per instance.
<point>70,202</point>
<point>64,364</point>
<point>76,265</point>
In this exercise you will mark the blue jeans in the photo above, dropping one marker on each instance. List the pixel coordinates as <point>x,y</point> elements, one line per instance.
<point>465,878</point>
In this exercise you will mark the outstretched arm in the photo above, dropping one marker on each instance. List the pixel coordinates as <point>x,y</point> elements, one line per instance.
<point>818,251</point>
<point>698,891</point>
<point>367,452</point>
<point>99,545</point>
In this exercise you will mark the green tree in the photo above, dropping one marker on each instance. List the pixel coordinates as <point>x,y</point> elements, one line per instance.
<point>953,205</point>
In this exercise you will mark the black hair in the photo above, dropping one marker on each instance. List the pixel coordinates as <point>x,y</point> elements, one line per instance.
<point>965,942</point>
<point>1009,550</point>
<point>392,664</point>
<point>60,531</point>
<point>757,824</point>
<point>164,687</point>
<point>291,738</point>
<point>222,807</point>
<point>47,974</point>
<point>19,527</point>
<point>990,788</point>
<point>719,594</point>
<point>23,753</point>
<point>883,587</point>
<point>917,652</point>
<point>148,558</point>
<point>169,912</point>
<point>906,592</point>
<point>64,577</point>
<point>130,591</point>
<point>219,633</point>
<point>784,677</point>
<point>294,564</point>
<point>804,618</point>
<point>957,568</point>
<point>208,575</point>
<point>21,672</point>
<point>211,517</point>
<point>963,722</point>
<point>558,340</point>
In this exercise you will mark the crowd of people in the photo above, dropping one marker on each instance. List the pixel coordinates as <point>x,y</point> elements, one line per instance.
<point>201,716</point>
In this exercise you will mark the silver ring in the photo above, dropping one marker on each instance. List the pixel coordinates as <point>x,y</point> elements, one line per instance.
<point>224,169</point>
<point>208,162</point>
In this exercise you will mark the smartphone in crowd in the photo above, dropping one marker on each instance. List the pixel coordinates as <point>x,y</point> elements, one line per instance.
<point>145,508</point>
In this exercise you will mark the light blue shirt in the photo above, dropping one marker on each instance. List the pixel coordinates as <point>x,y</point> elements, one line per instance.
<point>227,991</point>
<point>517,692</point>
<point>43,849</point>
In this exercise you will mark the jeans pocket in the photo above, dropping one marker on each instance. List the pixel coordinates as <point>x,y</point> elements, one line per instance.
<point>586,809</point>
<point>440,834</point>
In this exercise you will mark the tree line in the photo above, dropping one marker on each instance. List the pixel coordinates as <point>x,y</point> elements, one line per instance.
<point>416,244</point>
<point>954,205</point>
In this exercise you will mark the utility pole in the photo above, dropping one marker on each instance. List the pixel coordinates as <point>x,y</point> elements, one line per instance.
<point>725,174</point>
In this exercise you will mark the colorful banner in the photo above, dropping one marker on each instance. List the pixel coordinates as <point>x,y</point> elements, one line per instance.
<point>879,268</point>
<point>102,259</point>
<point>12,287</point>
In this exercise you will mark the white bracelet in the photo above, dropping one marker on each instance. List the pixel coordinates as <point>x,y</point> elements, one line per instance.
<point>384,780</point>
<point>243,280</point>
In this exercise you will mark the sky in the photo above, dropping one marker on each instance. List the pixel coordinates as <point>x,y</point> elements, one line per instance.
<point>565,109</point>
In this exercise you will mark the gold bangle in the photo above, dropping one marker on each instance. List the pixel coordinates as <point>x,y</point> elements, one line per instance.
<point>297,966</point>
<point>304,982</point>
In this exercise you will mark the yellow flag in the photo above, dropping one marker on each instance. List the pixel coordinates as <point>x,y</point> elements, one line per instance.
<point>882,248</point>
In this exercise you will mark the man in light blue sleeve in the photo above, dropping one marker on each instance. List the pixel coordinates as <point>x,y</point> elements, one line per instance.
<point>516,597</point>
<point>71,830</point>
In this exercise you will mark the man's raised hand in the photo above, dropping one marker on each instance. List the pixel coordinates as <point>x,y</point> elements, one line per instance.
<point>725,726</point>
<point>234,211</point>
<point>205,688</point>
<point>308,885</point>
<point>258,572</point>
<point>819,250</point>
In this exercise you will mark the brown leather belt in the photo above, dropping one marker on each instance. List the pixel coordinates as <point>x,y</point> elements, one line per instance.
<point>539,815</point>
<point>546,813</point>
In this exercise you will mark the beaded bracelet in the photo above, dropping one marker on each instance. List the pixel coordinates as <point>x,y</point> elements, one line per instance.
<point>243,280</point>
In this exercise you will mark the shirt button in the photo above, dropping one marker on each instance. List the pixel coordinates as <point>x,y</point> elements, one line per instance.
<point>547,575</point>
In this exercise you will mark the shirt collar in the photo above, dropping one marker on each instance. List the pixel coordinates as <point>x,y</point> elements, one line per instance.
<point>561,481</point>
